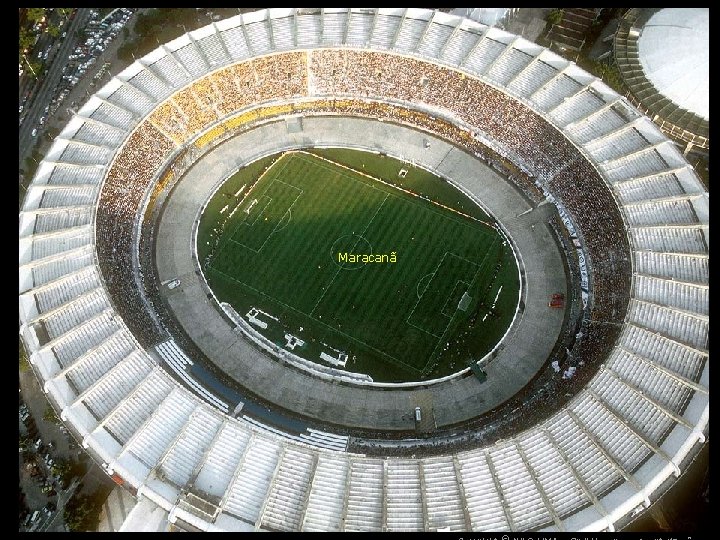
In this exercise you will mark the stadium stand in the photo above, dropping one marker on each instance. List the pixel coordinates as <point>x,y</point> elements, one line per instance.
<point>641,212</point>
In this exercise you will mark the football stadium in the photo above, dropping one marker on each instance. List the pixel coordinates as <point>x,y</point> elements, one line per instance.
<point>331,269</point>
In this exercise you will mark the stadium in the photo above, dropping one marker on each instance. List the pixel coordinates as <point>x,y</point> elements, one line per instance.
<point>571,419</point>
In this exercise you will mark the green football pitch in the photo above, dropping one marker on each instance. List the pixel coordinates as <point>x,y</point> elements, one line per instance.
<point>376,266</point>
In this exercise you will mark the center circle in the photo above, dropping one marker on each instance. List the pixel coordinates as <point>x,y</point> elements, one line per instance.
<point>348,250</point>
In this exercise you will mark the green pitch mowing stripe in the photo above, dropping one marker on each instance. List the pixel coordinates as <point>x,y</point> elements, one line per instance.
<point>279,251</point>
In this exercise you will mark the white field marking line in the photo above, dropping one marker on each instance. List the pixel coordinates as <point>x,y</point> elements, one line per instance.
<point>229,236</point>
<point>394,186</point>
<point>481,265</point>
<point>361,235</point>
<point>360,341</point>
<point>258,213</point>
<point>426,288</point>
<point>289,207</point>
<point>417,290</point>
<point>452,293</point>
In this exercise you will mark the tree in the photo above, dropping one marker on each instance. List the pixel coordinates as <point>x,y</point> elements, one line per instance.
<point>35,14</point>
<point>50,416</point>
<point>555,16</point>
<point>53,30</point>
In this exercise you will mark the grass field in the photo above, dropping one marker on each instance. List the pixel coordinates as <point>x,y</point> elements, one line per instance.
<point>287,234</point>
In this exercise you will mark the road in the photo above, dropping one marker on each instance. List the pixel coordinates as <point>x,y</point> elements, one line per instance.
<point>44,93</point>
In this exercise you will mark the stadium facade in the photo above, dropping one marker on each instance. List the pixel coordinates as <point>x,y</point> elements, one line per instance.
<point>636,205</point>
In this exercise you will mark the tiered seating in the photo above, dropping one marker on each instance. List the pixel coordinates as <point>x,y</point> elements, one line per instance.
<point>247,494</point>
<point>404,508</point>
<point>664,351</point>
<point>322,439</point>
<point>113,115</point>
<point>99,134</point>
<point>63,174</point>
<point>191,59</point>
<point>483,500</point>
<point>532,78</point>
<point>138,406</point>
<point>619,441</point>
<point>365,495</point>
<point>150,84</point>
<point>673,324</point>
<point>234,41</point>
<point>170,70</point>
<point>669,239</point>
<point>308,30</point>
<point>508,66</point>
<point>663,185</point>
<point>597,472</point>
<point>91,366</point>
<point>459,46</point>
<point>83,337</point>
<point>640,164</point>
<point>433,40</point>
<point>62,218</point>
<point>673,266</point>
<point>287,497</point>
<point>63,291</point>
<point>521,495</point>
<point>68,196</point>
<point>679,212</point>
<point>327,494</point>
<point>48,271</point>
<point>258,34</point>
<point>119,383</point>
<point>553,93</point>
<point>75,312</point>
<point>386,27</point>
<point>442,495</point>
<point>644,417</point>
<point>283,33</point>
<point>221,461</point>
<point>557,480</point>
<point>333,27</point>
<point>621,143</point>
<point>68,240</point>
<point>131,99</point>
<point>674,294</point>
<point>162,428</point>
<point>587,129</point>
<point>213,50</point>
<point>483,55</point>
<point>577,107</point>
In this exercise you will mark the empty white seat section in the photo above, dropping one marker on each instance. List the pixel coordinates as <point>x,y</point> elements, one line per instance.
<point>403,496</point>
<point>654,383</point>
<point>532,78</point>
<point>577,107</point>
<point>235,43</point>
<point>259,36</point>
<point>49,246</point>
<point>620,144</point>
<point>189,447</point>
<point>283,33</point>
<point>48,271</point>
<point>661,185</point>
<point>67,174</point>
<point>676,239</point>
<point>213,51</point>
<point>75,313</point>
<point>287,496</point>
<point>678,212</point>
<point>94,133</point>
<point>385,28</point>
<point>323,439</point>
<point>308,30</point>
<point>521,496</point>
<point>88,334</point>
<point>131,99</point>
<point>117,384</point>
<point>365,495</point>
<point>597,472</point>
<point>483,55</point>
<point>68,196</point>
<point>458,46</point>
<point>115,116</point>
<point>162,428</point>
<point>99,360</point>
<point>221,461</point>
<point>483,500</point>
<point>619,441</point>
<point>640,164</point>
<point>138,406</point>
<point>556,478</point>
<point>62,218</point>
<point>673,324</point>
<point>247,494</point>
<point>685,296</point>
<point>150,84</point>
<point>191,59</point>
<point>644,417</point>
<point>442,495</point>
<point>665,352</point>
<point>84,154</point>
<point>586,129</point>
<point>671,266</point>
<point>62,291</point>
<point>555,92</point>
<point>333,27</point>
<point>169,70</point>
<point>510,64</point>
<point>327,493</point>
<point>434,39</point>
